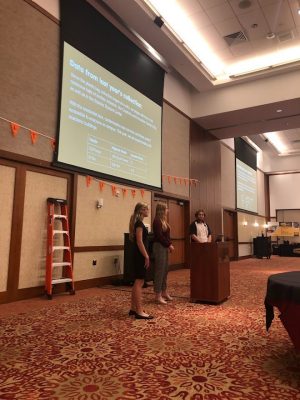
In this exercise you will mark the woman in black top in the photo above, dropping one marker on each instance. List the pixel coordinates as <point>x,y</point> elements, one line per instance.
<point>139,235</point>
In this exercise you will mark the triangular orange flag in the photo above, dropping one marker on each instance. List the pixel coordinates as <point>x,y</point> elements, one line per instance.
<point>133,193</point>
<point>53,144</point>
<point>142,192</point>
<point>88,180</point>
<point>33,136</point>
<point>14,128</point>
<point>124,191</point>
<point>101,185</point>
<point>169,179</point>
<point>113,190</point>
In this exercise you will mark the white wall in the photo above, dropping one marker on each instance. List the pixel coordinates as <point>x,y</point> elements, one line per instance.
<point>249,94</point>
<point>178,93</point>
<point>279,164</point>
<point>284,192</point>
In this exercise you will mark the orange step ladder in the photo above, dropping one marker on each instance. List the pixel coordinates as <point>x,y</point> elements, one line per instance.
<point>59,257</point>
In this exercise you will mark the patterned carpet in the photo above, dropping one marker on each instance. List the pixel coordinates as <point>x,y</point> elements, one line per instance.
<point>89,349</point>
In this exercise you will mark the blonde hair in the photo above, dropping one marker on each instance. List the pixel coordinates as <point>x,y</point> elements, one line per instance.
<point>161,214</point>
<point>136,216</point>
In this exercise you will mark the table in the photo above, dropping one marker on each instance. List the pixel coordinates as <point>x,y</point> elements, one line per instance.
<point>283,292</point>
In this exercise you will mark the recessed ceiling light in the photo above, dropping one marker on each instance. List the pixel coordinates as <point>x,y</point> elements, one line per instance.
<point>279,110</point>
<point>270,35</point>
<point>244,4</point>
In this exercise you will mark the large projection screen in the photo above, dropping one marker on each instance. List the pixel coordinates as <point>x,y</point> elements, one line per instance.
<point>246,187</point>
<point>107,126</point>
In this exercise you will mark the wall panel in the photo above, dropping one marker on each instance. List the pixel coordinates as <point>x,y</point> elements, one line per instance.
<point>228,177</point>
<point>175,149</point>
<point>105,226</point>
<point>205,165</point>
<point>7,186</point>
<point>29,78</point>
<point>34,235</point>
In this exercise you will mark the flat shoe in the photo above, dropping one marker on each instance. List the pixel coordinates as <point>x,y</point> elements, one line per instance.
<point>168,298</point>
<point>162,301</point>
<point>138,316</point>
<point>132,312</point>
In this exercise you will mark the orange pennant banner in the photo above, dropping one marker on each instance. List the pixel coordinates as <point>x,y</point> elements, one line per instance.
<point>142,192</point>
<point>14,128</point>
<point>33,136</point>
<point>124,191</point>
<point>88,180</point>
<point>53,144</point>
<point>113,190</point>
<point>101,185</point>
<point>133,193</point>
<point>169,179</point>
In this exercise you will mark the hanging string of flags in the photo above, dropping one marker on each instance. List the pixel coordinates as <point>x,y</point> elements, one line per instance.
<point>115,191</point>
<point>15,128</point>
<point>34,135</point>
<point>180,180</point>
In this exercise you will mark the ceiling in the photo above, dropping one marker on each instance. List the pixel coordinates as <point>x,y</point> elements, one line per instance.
<point>214,19</point>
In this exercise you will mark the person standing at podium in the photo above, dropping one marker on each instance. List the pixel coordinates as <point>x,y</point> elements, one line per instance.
<point>138,233</point>
<point>162,245</point>
<point>199,230</point>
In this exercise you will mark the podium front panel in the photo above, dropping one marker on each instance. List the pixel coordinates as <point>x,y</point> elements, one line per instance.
<point>210,273</point>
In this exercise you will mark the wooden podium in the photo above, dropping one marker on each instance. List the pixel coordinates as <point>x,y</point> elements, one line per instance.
<point>210,275</point>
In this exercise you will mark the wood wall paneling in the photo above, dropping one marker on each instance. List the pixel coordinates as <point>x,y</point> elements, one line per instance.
<point>7,186</point>
<point>205,166</point>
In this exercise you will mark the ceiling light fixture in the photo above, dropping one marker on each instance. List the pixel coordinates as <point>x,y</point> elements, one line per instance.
<point>270,35</point>
<point>243,4</point>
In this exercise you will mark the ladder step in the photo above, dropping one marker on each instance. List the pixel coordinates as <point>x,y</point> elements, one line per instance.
<point>61,248</point>
<point>61,264</point>
<point>59,216</point>
<point>63,232</point>
<point>61,280</point>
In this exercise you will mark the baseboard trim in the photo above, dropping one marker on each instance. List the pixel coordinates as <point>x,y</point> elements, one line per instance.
<point>29,293</point>
<point>244,257</point>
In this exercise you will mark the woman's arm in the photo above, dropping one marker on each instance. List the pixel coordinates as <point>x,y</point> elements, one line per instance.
<point>159,234</point>
<point>140,244</point>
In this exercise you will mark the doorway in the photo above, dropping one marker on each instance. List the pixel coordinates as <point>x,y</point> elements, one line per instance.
<point>178,218</point>
<point>230,232</point>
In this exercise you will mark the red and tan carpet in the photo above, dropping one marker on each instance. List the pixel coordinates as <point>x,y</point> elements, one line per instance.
<point>85,347</point>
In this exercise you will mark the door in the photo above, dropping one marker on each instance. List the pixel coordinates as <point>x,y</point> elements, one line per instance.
<point>230,232</point>
<point>177,220</point>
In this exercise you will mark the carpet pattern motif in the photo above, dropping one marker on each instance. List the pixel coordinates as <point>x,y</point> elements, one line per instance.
<point>91,350</point>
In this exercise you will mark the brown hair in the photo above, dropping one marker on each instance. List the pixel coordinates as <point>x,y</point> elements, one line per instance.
<point>199,211</point>
<point>160,213</point>
<point>136,216</point>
